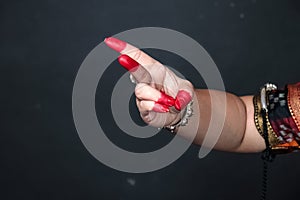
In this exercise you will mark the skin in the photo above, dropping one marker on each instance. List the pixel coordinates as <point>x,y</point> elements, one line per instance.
<point>239,133</point>
<point>156,84</point>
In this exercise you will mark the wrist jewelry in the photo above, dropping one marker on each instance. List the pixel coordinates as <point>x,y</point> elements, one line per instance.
<point>274,121</point>
<point>261,104</point>
<point>188,112</point>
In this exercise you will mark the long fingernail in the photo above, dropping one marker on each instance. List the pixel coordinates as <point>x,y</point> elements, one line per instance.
<point>182,99</point>
<point>115,44</point>
<point>160,108</point>
<point>166,99</point>
<point>128,63</point>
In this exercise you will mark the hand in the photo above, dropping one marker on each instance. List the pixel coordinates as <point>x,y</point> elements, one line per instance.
<point>160,94</point>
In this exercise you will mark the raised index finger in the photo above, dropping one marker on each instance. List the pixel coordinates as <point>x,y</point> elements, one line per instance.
<point>126,48</point>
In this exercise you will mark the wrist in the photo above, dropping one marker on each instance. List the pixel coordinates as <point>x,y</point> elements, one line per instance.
<point>183,120</point>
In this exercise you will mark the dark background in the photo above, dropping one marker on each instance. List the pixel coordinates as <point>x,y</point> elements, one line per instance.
<point>42,45</point>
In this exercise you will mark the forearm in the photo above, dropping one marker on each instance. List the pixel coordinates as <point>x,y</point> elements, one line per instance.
<point>238,134</point>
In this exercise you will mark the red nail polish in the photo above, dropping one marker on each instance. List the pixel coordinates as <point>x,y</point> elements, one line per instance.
<point>160,108</point>
<point>182,99</point>
<point>127,62</point>
<point>166,99</point>
<point>115,44</point>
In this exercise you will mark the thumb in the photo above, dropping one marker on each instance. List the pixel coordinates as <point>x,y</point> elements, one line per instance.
<point>140,74</point>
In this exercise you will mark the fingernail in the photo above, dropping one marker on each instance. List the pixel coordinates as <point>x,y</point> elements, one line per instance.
<point>128,63</point>
<point>166,100</point>
<point>115,44</point>
<point>182,99</point>
<point>160,108</point>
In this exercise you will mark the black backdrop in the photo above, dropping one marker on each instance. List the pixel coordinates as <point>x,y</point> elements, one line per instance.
<point>42,45</point>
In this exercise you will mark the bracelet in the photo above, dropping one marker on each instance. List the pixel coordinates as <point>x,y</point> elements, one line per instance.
<point>272,120</point>
<point>258,120</point>
<point>188,112</point>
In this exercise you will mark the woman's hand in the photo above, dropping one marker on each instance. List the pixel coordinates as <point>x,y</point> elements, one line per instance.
<point>160,94</point>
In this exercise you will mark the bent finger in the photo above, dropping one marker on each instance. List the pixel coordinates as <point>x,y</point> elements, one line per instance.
<point>184,95</point>
<point>145,106</point>
<point>146,92</point>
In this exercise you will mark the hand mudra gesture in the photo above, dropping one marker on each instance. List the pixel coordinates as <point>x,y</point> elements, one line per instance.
<point>160,94</point>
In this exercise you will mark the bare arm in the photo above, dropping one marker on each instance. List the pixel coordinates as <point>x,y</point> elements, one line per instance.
<point>239,133</point>
<point>159,91</point>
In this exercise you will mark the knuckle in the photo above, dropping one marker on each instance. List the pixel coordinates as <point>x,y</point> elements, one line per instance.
<point>143,105</point>
<point>146,118</point>
<point>188,84</point>
<point>141,90</point>
<point>137,54</point>
<point>138,90</point>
